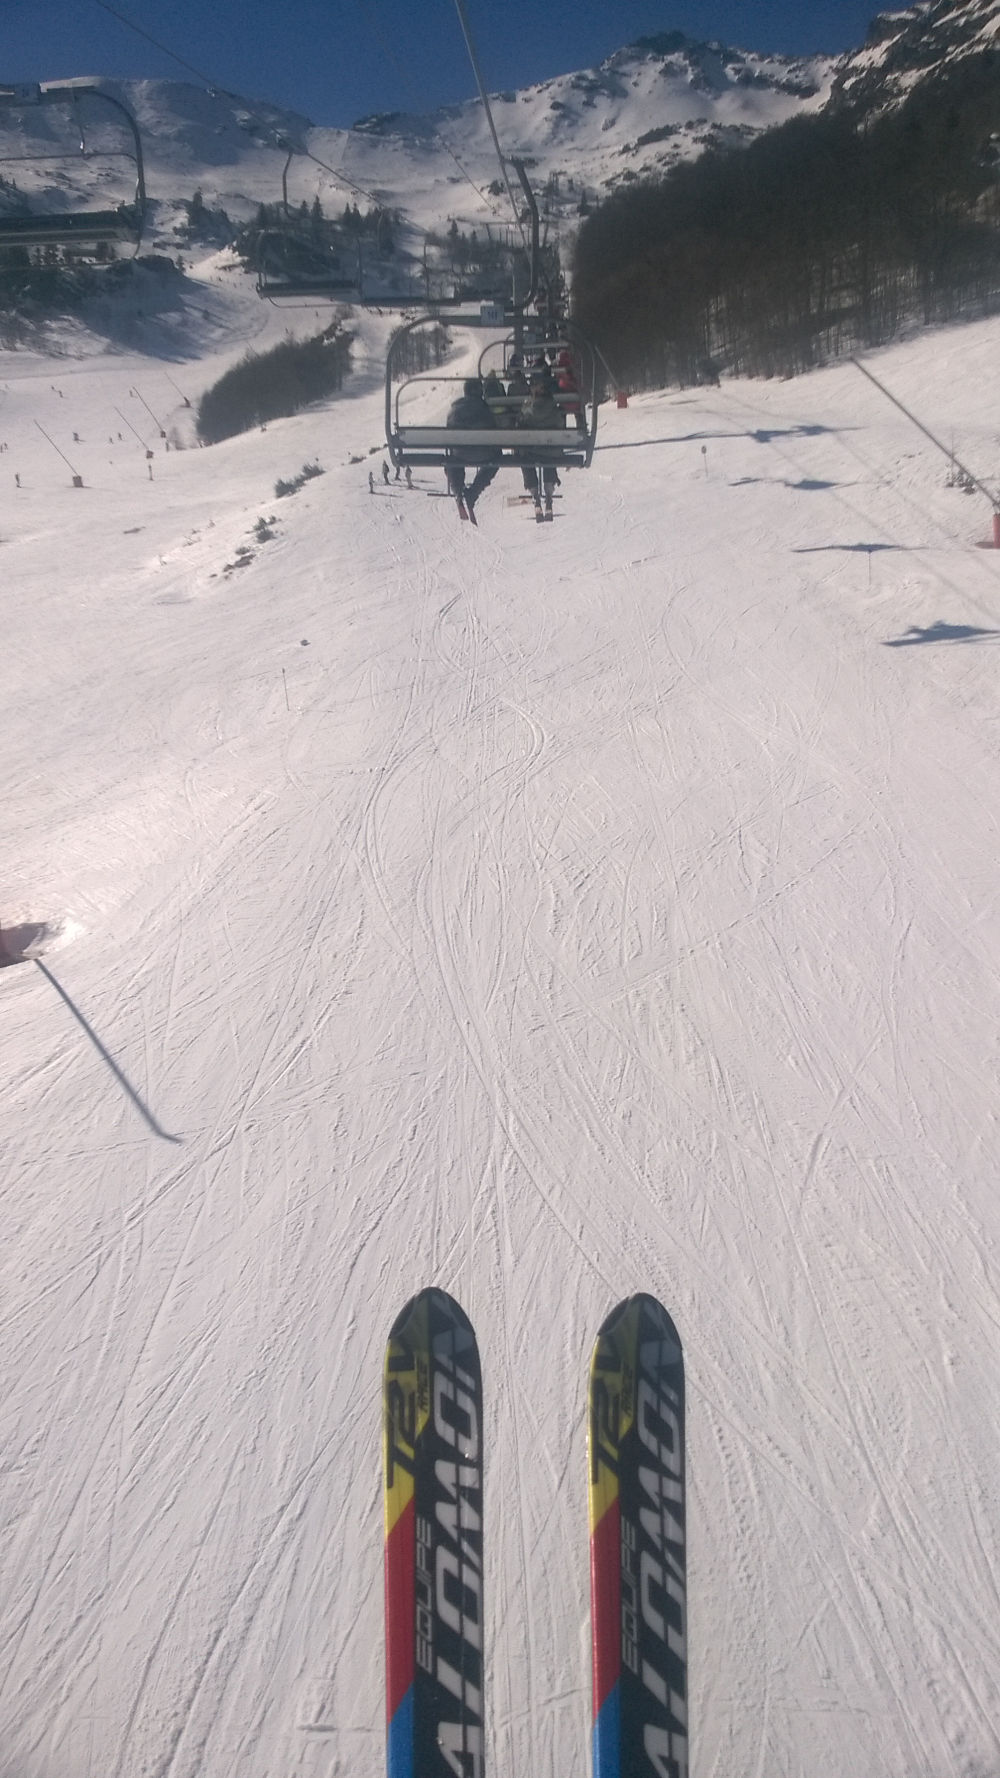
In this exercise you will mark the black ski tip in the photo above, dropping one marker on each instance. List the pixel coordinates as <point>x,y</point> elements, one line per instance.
<point>443,1305</point>
<point>659,1324</point>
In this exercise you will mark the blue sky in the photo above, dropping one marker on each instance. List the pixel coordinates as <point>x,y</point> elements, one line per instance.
<point>337,60</point>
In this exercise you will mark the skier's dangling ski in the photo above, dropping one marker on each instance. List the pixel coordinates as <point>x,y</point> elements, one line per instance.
<point>433,1498</point>
<point>638,1545</point>
<point>433,1495</point>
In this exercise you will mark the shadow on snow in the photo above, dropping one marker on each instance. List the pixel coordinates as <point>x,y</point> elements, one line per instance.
<point>941,632</point>
<point>860,549</point>
<point>758,437</point>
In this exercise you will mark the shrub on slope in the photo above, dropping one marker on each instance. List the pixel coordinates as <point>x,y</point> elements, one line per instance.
<point>271,385</point>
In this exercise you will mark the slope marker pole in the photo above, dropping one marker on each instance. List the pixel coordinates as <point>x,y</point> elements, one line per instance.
<point>956,463</point>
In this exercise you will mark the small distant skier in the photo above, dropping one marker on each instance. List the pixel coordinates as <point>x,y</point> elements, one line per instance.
<point>371,482</point>
<point>385,474</point>
<point>471,414</point>
<point>409,476</point>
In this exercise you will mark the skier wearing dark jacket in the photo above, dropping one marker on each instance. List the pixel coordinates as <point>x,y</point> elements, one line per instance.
<point>545,415</point>
<point>470,413</point>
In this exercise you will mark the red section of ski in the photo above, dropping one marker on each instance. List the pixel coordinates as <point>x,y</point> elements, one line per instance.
<point>400,1610</point>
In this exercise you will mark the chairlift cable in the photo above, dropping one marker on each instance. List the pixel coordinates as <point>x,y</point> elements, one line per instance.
<point>342,178</point>
<point>484,95</point>
<point>388,52</point>
<point>216,86</point>
<point>162,47</point>
<point>360,191</point>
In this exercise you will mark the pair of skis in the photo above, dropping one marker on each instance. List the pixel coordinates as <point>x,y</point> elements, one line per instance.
<point>433,1472</point>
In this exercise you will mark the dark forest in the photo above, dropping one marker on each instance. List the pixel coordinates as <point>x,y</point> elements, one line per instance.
<point>828,234</point>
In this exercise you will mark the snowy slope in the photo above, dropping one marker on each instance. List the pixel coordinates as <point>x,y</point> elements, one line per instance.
<point>545,917</point>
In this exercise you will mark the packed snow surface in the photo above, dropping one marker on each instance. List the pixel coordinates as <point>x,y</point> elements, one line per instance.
<point>545,913</point>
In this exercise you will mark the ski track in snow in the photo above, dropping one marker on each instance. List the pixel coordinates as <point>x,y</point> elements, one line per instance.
<point>575,913</point>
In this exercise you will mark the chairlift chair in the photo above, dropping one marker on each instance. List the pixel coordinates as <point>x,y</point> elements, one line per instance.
<point>29,226</point>
<point>292,263</point>
<point>290,266</point>
<point>414,442</point>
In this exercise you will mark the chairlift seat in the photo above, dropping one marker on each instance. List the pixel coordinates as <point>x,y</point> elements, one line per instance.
<point>512,447</point>
<point>77,225</point>
<point>512,438</point>
<point>311,290</point>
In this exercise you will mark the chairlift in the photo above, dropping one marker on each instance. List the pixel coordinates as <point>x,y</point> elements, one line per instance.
<point>411,440</point>
<point>293,262</point>
<point>291,266</point>
<point>525,336</point>
<point>297,262</point>
<point>23,223</point>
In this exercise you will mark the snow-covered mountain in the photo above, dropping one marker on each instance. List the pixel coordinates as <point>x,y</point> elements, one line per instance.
<point>657,101</point>
<point>906,49</point>
<point>647,106</point>
<point>654,102</point>
<point>585,132</point>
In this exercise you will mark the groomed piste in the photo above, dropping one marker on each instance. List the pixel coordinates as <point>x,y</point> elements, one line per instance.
<point>544,914</point>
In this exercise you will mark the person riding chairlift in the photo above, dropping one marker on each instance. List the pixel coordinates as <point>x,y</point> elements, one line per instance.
<point>567,385</point>
<point>471,414</point>
<point>544,414</point>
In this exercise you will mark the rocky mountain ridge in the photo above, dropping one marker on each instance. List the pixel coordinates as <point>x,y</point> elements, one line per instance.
<point>658,101</point>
